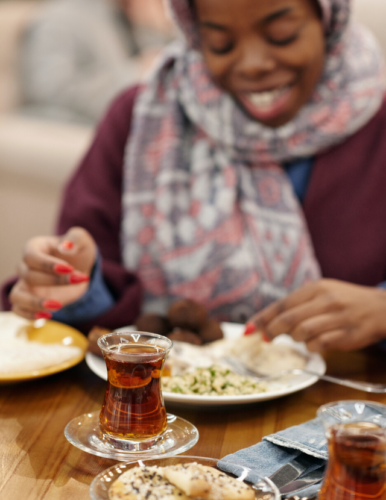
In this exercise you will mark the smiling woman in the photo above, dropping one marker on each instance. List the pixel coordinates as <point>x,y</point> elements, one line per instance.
<point>269,59</point>
<point>239,175</point>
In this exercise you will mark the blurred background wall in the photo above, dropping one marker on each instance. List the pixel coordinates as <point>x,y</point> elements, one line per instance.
<point>37,155</point>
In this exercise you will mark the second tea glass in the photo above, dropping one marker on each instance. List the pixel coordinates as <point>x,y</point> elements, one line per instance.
<point>133,412</point>
<point>356,433</point>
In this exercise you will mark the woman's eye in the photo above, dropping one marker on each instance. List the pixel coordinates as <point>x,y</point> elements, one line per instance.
<point>221,50</point>
<point>284,41</point>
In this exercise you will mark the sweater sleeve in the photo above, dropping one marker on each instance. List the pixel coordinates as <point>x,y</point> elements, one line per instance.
<point>92,199</point>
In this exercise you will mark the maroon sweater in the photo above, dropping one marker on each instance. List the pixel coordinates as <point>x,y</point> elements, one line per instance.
<point>345,208</point>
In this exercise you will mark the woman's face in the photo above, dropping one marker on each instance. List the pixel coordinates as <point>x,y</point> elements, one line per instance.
<point>268,54</point>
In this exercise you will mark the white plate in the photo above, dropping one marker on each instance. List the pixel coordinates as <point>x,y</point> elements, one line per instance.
<point>315,363</point>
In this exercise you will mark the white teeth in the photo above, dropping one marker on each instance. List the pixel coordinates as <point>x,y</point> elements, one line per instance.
<point>266,99</point>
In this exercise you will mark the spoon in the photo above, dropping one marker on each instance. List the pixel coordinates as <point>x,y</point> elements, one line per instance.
<point>239,367</point>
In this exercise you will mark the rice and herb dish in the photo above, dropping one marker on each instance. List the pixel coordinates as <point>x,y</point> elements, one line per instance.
<point>212,381</point>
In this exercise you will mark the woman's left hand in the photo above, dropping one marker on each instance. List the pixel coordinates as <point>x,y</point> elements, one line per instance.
<point>328,314</point>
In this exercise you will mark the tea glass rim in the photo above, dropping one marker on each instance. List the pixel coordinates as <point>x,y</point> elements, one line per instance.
<point>129,332</point>
<point>322,410</point>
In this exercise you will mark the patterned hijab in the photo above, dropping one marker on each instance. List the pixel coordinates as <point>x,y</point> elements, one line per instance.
<point>208,211</point>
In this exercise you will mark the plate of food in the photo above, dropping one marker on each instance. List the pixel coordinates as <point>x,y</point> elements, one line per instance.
<point>197,374</point>
<point>182,478</point>
<point>34,349</point>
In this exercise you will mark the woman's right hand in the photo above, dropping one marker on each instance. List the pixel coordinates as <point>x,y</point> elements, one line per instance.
<point>54,272</point>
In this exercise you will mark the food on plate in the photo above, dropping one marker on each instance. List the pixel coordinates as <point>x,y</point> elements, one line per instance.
<point>211,331</point>
<point>186,321</point>
<point>144,483</point>
<point>180,335</point>
<point>183,481</point>
<point>201,481</point>
<point>187,314</point>
<point>267,358</point>
<point>20,355</point>
<point>153,323</point>
<point>215,380</point>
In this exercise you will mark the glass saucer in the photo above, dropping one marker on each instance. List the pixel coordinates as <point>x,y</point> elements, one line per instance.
<point>99,488</point>
<point>84,433</point>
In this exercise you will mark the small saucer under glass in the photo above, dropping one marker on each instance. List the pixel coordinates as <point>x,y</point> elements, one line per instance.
<point>84,433</point>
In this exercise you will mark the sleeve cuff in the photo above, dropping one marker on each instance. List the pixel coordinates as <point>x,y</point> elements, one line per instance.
<point>97,300</point>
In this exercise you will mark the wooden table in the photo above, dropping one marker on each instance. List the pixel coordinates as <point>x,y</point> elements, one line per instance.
<point>37,462</point>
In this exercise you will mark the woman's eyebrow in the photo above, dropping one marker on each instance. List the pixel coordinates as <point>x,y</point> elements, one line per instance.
<point>213,26</point>
<point>277,14</point>
<point>271,17</point>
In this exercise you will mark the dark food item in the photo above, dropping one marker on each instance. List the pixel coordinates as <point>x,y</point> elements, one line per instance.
<point>187,314</point>
<point>187,321</point>
<point>211,331</point>
<point>93,336</point>
<point>153,323</point>
<point>185,336</point>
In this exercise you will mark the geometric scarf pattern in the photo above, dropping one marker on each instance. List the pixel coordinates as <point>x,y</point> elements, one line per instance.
<point>208,211</point>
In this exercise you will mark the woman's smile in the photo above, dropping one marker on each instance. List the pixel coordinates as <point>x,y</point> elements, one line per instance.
<point>268,104</point>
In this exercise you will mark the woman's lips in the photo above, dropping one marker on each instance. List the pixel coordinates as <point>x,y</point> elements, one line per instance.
<point>266,105</point>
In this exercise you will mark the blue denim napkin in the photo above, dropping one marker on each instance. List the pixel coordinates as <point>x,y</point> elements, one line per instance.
<point>265,458</point>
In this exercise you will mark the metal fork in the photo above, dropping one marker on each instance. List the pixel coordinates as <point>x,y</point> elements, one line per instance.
<point>239,367</point>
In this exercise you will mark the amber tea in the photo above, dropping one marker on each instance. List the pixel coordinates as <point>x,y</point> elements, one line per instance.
<point>133,407</point>
<point>357,462</point>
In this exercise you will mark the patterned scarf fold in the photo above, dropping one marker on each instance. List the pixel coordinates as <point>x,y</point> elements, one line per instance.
<point>208,212</point>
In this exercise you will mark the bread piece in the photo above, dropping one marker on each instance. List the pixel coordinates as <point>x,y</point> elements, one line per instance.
<point>142,483</point>
<point>207,483</point>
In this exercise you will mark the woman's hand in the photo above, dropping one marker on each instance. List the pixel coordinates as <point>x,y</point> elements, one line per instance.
<point>328,314</point>
<point>54,272</point>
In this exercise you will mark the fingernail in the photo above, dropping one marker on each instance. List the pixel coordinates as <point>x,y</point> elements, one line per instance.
<point>265,337</point>
<point>66,245</point>
<point>43,315</point>
<point>249,328</point>
<point>79,278</point>
<point>52,304</point>
<point>63,269</point>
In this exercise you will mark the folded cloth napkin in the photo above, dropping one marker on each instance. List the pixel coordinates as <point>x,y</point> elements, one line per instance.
<point>265,458</point>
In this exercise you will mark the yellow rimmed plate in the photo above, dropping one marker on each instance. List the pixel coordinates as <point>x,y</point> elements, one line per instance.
<point>46,332</point>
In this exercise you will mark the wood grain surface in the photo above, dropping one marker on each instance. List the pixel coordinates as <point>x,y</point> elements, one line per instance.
<point>37,462</point>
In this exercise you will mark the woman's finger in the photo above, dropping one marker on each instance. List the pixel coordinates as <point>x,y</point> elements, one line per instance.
<point>299,297</point>
<point>24,313</point>
<point>334,339</point>
<point>39,278</point>
<point>38,255</point>
<point>316,326</point>
<point>23,298</point>
<point>290,321</point>
<point>78,248</point>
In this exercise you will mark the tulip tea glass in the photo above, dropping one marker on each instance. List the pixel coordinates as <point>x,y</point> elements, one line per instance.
<point>356,434</point>
<point>133,414</point>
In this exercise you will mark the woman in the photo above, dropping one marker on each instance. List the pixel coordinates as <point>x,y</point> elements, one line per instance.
<point>267,106</point>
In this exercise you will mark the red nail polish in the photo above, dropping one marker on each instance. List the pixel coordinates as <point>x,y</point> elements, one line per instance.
<point>63,268</point>
<point>67,245</point>
<point>52,304</point>
<point>79,278</point>
<point>249,328</point>
<point>265,337</point>
<point>43,315</point>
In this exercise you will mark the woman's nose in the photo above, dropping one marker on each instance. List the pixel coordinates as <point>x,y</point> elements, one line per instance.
<point>255,60</point>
